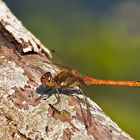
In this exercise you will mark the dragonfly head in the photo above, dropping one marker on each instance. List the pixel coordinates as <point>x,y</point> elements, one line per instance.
<point>47,80</point>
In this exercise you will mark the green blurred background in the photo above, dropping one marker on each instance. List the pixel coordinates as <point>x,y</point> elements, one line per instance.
<point>100,38</point>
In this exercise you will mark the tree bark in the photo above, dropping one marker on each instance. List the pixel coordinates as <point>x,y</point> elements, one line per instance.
<point>23,60</point>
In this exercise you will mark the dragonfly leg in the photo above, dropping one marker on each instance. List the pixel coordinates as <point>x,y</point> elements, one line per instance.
<point>44,97</point>
<point>49,93</point>
<point>57,97</point>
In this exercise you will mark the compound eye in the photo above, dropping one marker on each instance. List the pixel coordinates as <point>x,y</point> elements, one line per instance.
<point>49,79</point>
<point>48,74</point>
<point>46,77</point>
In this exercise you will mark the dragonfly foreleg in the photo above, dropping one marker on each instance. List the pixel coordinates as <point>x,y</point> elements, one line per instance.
<point>56,94</point>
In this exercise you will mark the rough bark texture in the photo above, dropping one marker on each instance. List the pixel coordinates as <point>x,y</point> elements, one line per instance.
<point>23,60</point>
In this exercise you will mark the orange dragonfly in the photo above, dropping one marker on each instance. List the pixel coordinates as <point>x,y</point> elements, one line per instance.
<point>70,79</point>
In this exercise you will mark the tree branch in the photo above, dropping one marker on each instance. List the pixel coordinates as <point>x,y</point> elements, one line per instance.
<point>23,116</point>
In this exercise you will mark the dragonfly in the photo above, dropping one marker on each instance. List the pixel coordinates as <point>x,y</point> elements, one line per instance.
<point>69,78</point>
